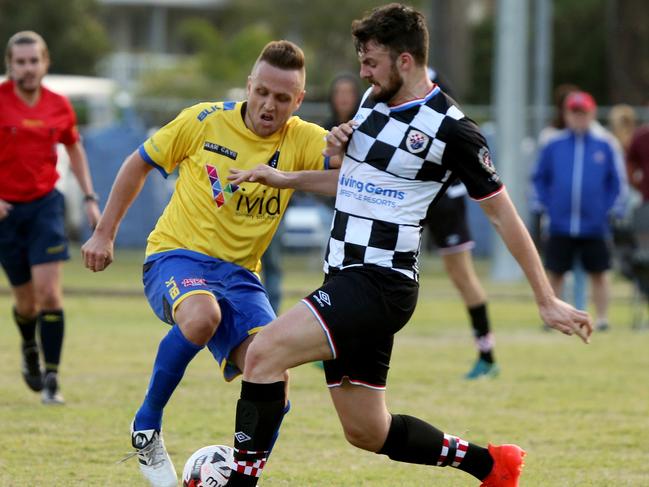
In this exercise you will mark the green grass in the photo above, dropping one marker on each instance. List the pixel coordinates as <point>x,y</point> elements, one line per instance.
<point>580,411</point>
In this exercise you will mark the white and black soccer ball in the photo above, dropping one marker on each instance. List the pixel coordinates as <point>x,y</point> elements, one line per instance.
<point>208,467</point>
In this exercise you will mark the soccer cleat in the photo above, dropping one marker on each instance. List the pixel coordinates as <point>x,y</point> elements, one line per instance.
<point>31,368</point>
<point>155,464</point>
<point>508,463</point>
<point>482,368</point>
<point>50,393</point>
<point>602,326</point>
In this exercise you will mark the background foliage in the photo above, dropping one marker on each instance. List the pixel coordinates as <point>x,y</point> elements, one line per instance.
<point>76,39</point>
<point>601,45</point>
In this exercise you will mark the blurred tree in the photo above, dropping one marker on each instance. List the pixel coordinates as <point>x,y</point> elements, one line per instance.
<point>479,88</point>
<point>628,51</point>
<point>450,46</point>
<point>580,46</point>
<point>226,60</point>
<point>74,36</point>
<point>322,29</point>
<point>579,49</point>
<point>218,64</point>
<point>223,54</point>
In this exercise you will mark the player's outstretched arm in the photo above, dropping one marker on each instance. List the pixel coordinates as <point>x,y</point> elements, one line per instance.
<point>97,252</point>
<point>554,312</point>
<point>322,182</point>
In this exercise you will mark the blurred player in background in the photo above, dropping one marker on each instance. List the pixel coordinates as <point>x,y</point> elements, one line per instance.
<point>203,257</point>
<point>33,245</point>
<point>447,224</point>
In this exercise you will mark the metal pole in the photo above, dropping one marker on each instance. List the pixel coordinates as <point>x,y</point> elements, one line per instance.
<point>511,105</point>
<point>542,64</point>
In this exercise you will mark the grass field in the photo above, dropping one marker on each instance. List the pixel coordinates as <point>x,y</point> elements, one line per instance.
<point>580,411</point>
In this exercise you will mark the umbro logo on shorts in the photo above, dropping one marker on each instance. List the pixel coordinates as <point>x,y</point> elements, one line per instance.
<point>322,298</point>
<point>240,436</point>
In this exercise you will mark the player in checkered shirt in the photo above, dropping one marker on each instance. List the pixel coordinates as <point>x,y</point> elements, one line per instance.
<point>406,141</point>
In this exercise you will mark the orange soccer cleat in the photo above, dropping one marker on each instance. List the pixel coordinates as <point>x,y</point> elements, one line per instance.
<point>508,463</point>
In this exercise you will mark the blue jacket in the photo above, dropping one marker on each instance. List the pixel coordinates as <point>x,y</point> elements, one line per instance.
<point>578,181</point>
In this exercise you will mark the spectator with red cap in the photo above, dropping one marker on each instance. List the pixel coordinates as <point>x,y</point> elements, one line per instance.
<point>580,184</point>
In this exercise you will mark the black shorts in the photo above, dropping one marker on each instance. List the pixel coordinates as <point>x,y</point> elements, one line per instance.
<point>446,223</point>
<point>33,233</point>
<point>561,252</point>
<point>360,309</point>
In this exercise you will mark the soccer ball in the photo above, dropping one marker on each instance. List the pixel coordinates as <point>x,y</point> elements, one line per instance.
<point>208,467</point>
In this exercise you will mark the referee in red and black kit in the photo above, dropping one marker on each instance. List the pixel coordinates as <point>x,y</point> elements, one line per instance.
<point>33,120</point>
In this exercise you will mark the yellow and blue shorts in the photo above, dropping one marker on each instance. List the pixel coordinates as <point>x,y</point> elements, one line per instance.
<point>170,277</point>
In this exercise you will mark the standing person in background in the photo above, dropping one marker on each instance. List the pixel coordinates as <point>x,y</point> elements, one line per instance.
<point>579,285</point>
<point>344,98</point>
<point>622,124</point>
<point>637,161</point>
<point>33,246</point>
<point>580,184</point>
<point>447,224</point>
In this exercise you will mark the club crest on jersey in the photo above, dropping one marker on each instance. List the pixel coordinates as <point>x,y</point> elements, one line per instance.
<point>220,194</point>
<point>484,156</point>
<point>416,141</point>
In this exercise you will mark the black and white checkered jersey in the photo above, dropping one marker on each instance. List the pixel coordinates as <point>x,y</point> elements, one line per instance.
<point>396,162</point>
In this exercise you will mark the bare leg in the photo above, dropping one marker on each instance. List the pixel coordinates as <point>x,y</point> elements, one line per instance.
<point>459,267</point>
<point>600,284</point>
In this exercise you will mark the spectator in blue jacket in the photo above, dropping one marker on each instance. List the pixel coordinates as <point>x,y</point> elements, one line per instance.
<point>580,184</point>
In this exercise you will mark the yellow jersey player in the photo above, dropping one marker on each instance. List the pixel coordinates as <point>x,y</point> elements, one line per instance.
<point>203,257</point>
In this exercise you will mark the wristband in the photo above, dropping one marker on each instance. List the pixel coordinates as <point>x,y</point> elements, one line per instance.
<point>91,197</point>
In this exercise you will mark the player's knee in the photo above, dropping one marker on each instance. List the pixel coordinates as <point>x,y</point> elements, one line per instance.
<point>363,437</point>
<point>49,298</point>
<point>27,309</point>
<point>200,327</point>
<point>262,358</point>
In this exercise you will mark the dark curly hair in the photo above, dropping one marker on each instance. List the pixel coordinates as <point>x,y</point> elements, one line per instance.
<point>396,26</point>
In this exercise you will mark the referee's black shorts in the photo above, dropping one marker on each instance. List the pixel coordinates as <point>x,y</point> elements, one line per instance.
<point>360,309</point>
<point>447,225</point>
<point>562,251</point>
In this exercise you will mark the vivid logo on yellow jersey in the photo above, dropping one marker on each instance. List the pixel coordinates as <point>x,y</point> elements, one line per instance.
<point>220,194</point>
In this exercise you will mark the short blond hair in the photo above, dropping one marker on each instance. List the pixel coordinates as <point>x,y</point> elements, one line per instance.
<point>283,55</point>
<point>25,37</point>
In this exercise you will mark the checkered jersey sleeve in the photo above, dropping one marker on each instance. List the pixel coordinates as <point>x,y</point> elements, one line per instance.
<point>467,155</point>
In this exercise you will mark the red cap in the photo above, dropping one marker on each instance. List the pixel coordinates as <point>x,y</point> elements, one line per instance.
<point>580,100</point>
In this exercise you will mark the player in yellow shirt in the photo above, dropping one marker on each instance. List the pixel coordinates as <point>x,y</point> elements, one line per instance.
<point>203,257</point>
